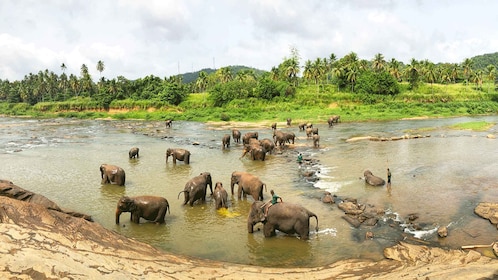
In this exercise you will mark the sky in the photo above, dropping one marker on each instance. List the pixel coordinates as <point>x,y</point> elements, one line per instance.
<point>135,38</point>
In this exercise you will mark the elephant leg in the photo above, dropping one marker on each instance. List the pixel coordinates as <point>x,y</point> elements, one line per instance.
<point>239,192</point>
<point>160,215</point>
<point>269,230</point>
<point>174,159</point>
<point>135,217</point>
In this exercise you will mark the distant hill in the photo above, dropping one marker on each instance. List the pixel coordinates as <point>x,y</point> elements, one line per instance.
<point>192,76</point>
<point>482,61</point>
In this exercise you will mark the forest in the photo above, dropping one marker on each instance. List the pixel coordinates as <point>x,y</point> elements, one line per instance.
<point>370,79</point>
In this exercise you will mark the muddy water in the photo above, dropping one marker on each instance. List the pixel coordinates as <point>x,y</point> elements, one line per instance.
<point>440,178</point>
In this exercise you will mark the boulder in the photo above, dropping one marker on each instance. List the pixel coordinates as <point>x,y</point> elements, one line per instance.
<point>488,210</point>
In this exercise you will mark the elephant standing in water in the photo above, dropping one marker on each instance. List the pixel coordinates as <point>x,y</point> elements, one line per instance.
<point>236,135</point>
<point>225,141</point>
<point>196,188</point>
<point>286,217</point>
<point>112,174</point>
<point>168,123</point>
<point>178,154</point>
<point>372,179</point>
<point>151,208</point>
<point>133,153</point>
<point>248,184</point>
<point>220,196</point>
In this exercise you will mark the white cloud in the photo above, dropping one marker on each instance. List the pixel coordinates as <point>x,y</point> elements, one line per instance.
<point>139,38</point>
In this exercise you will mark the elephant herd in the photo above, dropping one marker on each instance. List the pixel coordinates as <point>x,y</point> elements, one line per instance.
<point>286,217</point>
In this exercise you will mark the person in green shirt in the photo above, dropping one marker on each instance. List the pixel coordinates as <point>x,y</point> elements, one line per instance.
<point>300,158</point>
<point>274,200</point>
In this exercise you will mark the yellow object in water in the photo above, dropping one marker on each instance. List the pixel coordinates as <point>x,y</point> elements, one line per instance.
<point>227,213</point>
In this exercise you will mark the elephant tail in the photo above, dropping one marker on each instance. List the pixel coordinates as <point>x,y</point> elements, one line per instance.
<point>316,217</point>
<point>180,193</point>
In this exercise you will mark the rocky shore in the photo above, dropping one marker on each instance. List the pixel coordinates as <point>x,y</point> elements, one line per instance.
<point>39,242</point>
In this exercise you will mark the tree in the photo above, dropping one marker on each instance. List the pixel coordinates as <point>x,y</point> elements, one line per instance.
<point>412,73</point>
<point>100,67</point>
<point>378,63</point>
<point>394,68</point>
<point>202,81</point>
<point>467,69</point>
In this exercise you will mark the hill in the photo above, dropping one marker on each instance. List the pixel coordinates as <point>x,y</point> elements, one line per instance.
<point>192,76</point>
<point>482,61</point>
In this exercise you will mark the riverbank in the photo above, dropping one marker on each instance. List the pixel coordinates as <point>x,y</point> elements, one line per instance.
<point>44,244</point>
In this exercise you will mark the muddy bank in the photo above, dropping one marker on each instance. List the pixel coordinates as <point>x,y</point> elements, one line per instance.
<point>39,243</point>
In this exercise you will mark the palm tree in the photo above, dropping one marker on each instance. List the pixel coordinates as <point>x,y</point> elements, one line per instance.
<point>394,68</point>
<point>412,73</point>
<point>431,75</point>
<point>63,68</point>
<point>202,81</point>
<point>477,78</point>
<point>491,74</point>
<point>378,63</point>
<point>225,74</point>
<point>307,72</point>
<point>100,67</point>
<point>467,68</point>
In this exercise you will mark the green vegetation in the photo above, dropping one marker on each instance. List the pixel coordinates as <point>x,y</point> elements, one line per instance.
<point>476,126</point>
<point>356,89</point>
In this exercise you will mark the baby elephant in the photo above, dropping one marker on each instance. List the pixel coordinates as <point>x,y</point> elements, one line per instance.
<point>151,208</point>
<point>220,196</point>
<point>133,153</point>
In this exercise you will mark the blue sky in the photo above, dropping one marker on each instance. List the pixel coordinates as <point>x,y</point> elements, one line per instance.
<point>166,37</point>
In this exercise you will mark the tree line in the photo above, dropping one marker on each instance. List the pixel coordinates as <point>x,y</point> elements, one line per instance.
<point>349,73</point>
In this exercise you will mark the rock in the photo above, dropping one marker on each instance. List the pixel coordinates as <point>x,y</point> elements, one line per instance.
<point>442,231</point>
<point>369,235</point>
<point>352,220</point>
<point>495,248</point>
<point>328,198</point>
<point>491,136</point>
<point>412,217</point>
<point>488,211</point>
<point>9,189</point>
<point>39,243</point>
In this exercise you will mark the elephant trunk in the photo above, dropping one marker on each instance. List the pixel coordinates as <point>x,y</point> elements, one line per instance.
<point>118,213</point>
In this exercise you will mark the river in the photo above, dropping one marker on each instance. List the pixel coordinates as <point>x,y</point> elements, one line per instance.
<point>440,178</point>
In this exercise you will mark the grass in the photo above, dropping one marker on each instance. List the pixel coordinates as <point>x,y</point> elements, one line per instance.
<point>475,126</point>
<point>310,104</point>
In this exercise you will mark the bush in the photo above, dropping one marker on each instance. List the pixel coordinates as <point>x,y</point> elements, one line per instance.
<point>381,83</point>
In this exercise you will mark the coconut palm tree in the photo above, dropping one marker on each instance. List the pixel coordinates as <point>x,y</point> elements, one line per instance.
<point>467,68</point>
<point>378,63</point>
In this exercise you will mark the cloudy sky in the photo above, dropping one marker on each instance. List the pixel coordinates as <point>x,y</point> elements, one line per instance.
<point>165,37</point>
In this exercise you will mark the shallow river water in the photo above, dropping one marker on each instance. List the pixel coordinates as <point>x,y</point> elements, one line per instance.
<point>440,178</point>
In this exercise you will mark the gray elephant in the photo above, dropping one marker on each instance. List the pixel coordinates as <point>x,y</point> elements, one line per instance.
<point>236,135</point>
<point>279,137</point>
<point>289,121</point>
<point>333,119</point>
<point>168,123</point>
<point>248,184</point>
<point>316,141</point>
<point>268,145</point>
<point>196,188</point>
<point>286,217</point>
<point>112,174</point>
<point>178,154</point>
<point>225,141</point>
<point>151,208</point>
<point>246,138</point>
<point>133,153</point>
<point>220,196</point>
<point>274,126</point>
<point>372,179</point>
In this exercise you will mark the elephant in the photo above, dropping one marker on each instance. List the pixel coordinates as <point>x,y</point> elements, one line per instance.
<point>196,188</point>
<point>248,184</point>
<point>258,153</point>
<point>286,217</point>
<point>225,141</point>
<point>178,154</point>
<point>267,144</point>
<point>133,153</point>
<point>372,179</point>
<point>151,208</point>
<point>255,149</point>
<point>274,126</point>
<point>112,174</point>
<point>289,121</point>
<point>280,137</point>
<point>314,131</point>
<point>236,135</point>
<point>168,123</point>
<point>220,196</point>
<point>309,132</point>
<point>333,119</point>
<point>316,141</point>
<point>302,126</point>
<point>249,135</point>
